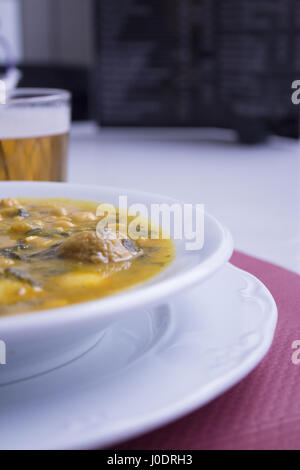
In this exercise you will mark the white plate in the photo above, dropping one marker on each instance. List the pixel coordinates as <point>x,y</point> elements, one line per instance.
<point>146,370</point>
<point>42,340</point>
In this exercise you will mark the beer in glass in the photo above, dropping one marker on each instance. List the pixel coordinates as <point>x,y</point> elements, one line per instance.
<point>34,131</point>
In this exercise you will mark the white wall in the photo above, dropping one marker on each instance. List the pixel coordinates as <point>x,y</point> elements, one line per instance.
<point>59,31</point>
<point>10,27</point>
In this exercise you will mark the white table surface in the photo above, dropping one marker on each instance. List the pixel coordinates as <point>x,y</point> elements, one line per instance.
<point>254,190</point>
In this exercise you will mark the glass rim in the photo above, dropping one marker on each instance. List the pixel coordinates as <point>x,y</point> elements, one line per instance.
<point>43,96</point>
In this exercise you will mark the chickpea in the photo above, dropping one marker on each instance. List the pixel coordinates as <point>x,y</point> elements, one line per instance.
<point>39,242</point>
<point>64,223</point>
<point>31,238</point>
<point>50,219</point>
<point>36,223</point>
<point>45,242</point>
<point>84,217</point>
<point>22,227</point>
<point>58,210</point>
<point>8,212</point>
<point>10,202</point>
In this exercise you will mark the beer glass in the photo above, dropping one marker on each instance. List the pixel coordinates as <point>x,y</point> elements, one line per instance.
<point>34,132</point>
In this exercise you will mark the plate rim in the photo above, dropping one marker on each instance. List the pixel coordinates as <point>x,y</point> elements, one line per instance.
<point>198,397</point>
<point>193,402</point>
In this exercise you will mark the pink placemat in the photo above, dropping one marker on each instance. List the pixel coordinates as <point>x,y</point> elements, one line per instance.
<point>262,411</point>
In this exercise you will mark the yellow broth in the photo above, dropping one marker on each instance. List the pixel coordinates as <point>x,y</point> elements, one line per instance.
<point>40,266</point>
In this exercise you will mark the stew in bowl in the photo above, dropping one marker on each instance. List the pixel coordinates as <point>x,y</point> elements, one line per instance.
<point>52,254</point>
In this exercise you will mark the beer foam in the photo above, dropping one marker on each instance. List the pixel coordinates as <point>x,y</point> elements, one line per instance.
<point>18,122</point>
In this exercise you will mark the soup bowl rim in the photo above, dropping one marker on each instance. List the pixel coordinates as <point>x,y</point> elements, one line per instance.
<point>136,297</point>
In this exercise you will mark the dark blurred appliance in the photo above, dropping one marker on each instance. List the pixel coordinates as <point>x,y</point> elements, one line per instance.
<point>216,63</point>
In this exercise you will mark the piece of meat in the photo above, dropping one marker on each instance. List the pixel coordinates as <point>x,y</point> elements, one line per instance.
<point>89,247</point>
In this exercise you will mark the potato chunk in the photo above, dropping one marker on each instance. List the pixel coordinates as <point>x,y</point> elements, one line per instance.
<point>88,247</point>
<point>77,280</point>
<point>12,291</point>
